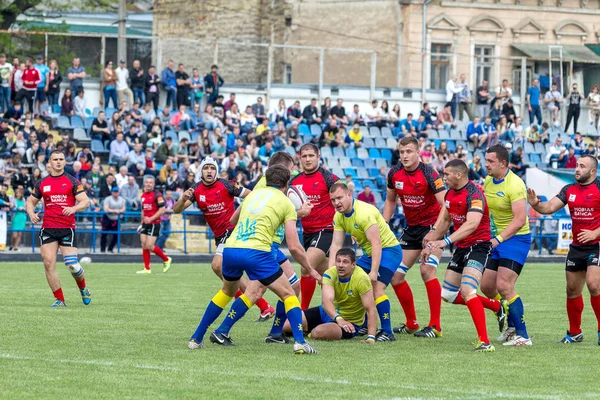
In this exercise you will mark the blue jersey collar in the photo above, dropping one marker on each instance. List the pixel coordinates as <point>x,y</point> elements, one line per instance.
<point>346,280</point>
<point>351,212</point>
<point>497,182</point>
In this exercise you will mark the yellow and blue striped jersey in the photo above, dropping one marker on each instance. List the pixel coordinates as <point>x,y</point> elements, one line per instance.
<point>280,232</point>
<point>500,195</point>
<point>362,217</point>
<point>263,212</point>
<point>348,292</point>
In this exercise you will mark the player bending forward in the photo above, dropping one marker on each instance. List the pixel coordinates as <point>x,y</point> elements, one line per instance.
<point>382,253</point>
<point>63,196</point>
<point>465,206</point>
<point>347,297</point>
<point>583,260</point>
<point>249,250</point>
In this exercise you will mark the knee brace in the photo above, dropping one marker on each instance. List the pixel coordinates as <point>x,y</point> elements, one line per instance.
<point>433,261</point>
<point>403,269</point>
<point>449,295</point>
<point>293,279</point>
<point>72,263</point>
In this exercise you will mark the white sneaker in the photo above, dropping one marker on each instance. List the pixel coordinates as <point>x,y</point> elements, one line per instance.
<point>519,341</point>
<point>193,345</point>
<point>507,335</point>
<point>304,348</point>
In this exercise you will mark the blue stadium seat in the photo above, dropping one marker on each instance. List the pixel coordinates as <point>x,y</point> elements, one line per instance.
<point>374,153</point>
<point>358,163</point>
<point>88,122</point>
<point>369,142</point>
<point>303,129</point>
<point>362,154</point>
<point>326,152</point>
<point>306,139</point>
<point>365,131</point>
<point>387,132</point>
<point>370,163</point>
<point>338,152</point>
<point>455,134</point>
<point>64,122</point>
<point>535,158</point>
<point>97,147</point>
<point>374,131</point>
<point>451,145</point>
<point>351,152</point>
<point>378,198</point>
<point>345,162</point>
<point>315,130</point>
<point>525,157</point>
<point>380,162</point>
<point>351,172</point>
<point>363,173</point>
<point>333,163</point>
<point>291,151</point>
<point>80,134</point>
<point>56,109</point>
<point>358,186</point>
<point>368,182</point>
<point>444,134</point>
<point>45,109</point>
<point>539,148</point>
<point>338,172</point>
<point>529,148</point>
<point>380,143</point>
<point>398,132</point>
<point>96,110</point>
<point>173,136</point>
<point>392,143</point>
<point>110,112</point>
<point>386,154</point>
<point>184,135</point>
<point>195,135</point>
<point>462,143</point>
<point>433,134</point>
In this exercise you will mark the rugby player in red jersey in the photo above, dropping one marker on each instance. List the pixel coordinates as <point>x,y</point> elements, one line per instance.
<point>421,191</point>
<point>466,207</point>
<point>153,206</point>
<point>583,259</point>
<point>215,197</point>
<point>317,227</point>
<point>63,196</point>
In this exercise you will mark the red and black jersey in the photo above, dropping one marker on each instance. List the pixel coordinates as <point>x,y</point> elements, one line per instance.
<point>584,206</point>
<point>316,186</point>
<point>58,192</point>
<point>216,202</point>
<point>151,203</point>
<point>416,190</point>
<point>465,200</point>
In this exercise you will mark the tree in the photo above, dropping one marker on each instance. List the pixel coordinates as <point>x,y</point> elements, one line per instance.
<point>10,10</point>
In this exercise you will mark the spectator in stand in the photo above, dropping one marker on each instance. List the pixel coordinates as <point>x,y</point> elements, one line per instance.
<point>557,154</point>
<point>148,114</point>
<point>230,102</point>
<point>248,120</point>
<point>387,116</point>
<point>533,100</point>
<point>355,137</point>
<point>266,151</point>
<point>577,143</point>
<point>181,120</point>
<point>367,196</point>
<point>258,109</point>
<point>109,85</point>
<point>234,117</point>
<point>138,82</point>
<point>409,126</point>
<point>124,93</point>
<point>17,82</point>
<point>483,99</point>
<point>211,121</point>
<point>119,150</point>
<point>338,112</point>
<point>218,108</point>
<point>571,159</point>
<point>311,113</point>
<point>464,99</point>
<point>169,83</point>
<point>67,104</point>
<point>18,219</point>
<point>6,72</point>
<point>589,151</point>
<point>106,186</point>
<point>328,135</point>
<point>505,134</point>
<point>375,115</point>
<point>151,84</point>
<point>42,87</point>
<point>172,182</point>
<point>326,110</point>
<point>280,113</point>
<point>79,105</point>
<point>165,151</point>
<point>262,128</point>
<point>196,88</point>
<point>488,129</point>
<point>165,220</point>
<point>508,110</point>
<point>165,171</point>
<point>16,64</point>
<point>395,114</point>
<point>76,74</point>
<point>54,81</point>
<point>516,164</point>
<point>504,92</point>
<point>474,133</point>
<point>453,88</point>
<point>219,150</point>
<point>14,114</point>
<point>136,161</point>
<point>294,113</point>
<point>553,100</point>
<point>427,154</point>
<point>355,117</point>
<point>593,100</point>
<point>496,111</point>
<point>574,100</point>
<point>445,120</point>
<point>114,206</point>
<point>544,135</point>
<point>121,177</point>
<point>150,164</point>
<point>428,115</point>
<point>476,170</point>
<point>532,135</point>
<point>181,153</point>
<point>184,84</point>
<point>31,78</point>
<point>212,83</point>
<point>100,129</point>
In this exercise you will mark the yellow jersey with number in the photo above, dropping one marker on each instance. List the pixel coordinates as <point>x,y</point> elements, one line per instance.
<point>347,298</point>
<point>362,217</point>
<point>500,195</point>
<point>263,212</point>
<point>280,232</point>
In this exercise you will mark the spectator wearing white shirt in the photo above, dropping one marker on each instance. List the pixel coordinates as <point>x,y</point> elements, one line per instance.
<point>280,112</point>
<point>119,150</point>
<point>136,160</point>
<point>79,105</point>
<point>452,91</point>
<point>355,117</point>
<point>504,92</point>
<point>248,120</point>
<point>553,99</point>
<point>122,83</point>
<point>121,177</point>
<point>557,153</point>
<point>375,115</point>
<point>130,192</point>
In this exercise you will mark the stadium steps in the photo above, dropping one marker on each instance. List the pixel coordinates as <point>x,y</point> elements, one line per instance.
<point>196,242</point>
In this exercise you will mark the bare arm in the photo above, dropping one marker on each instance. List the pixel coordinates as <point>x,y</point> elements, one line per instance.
<point>519,209</point>
<point>369,304</point>
<point>472,222</point>
<point>296,249</point>
<point>390,204</point>
<point>328,295</point>
<point>30,209</point>
<point>336,243</point>
<point>547,207</point>
<point>184,201</point>
<point>158,214</point>
<point>374,237</point>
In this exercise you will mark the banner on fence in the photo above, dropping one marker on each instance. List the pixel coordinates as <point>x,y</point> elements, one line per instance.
<point>565,236</point>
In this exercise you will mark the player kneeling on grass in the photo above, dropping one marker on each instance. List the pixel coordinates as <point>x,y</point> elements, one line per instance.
<point>347,297</point>
<point>466,207</point>
<point>583,260</point>
<point>249,250</point>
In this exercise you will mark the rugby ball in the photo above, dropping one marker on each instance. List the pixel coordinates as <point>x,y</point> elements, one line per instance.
<point>297,196</point>
<point>85,260</point>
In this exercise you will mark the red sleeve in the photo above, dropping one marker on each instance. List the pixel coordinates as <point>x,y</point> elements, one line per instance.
<point>562,196</point>
<point>233,188</point>
<point>329,178</point>
<point>37,191</point>
<point>475,199</point>
<point>390,176</point>
<point>160,201</point>
<point>195,187</point>
<point>434,181</point>
<point>77,187</point>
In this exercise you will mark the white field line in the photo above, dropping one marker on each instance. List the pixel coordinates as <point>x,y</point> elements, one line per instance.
<point>424,388</point>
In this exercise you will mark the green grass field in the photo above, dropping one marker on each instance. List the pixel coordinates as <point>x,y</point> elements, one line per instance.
<point>131,343</point>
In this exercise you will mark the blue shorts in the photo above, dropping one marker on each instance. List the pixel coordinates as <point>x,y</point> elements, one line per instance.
<point>40,94</point>
<point>257,264</point>
<point>326,319</point>
<point>514,249</point>
<point>278,254</point>
<point>391,257</point>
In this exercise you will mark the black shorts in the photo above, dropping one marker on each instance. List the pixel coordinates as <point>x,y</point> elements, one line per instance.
<point>40,94</point>
<point>476,256</point>
<point>320,240</point>
<point>64,236</point>
<point>150,230</point>
<point>314,318</point>
<point>412,237</point>
<point>220,241</point>
<point>580,258</point>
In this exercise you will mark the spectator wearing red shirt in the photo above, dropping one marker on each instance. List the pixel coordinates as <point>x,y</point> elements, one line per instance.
<point>367,196</point>
<point>31,78</point>
<point>571,159</point>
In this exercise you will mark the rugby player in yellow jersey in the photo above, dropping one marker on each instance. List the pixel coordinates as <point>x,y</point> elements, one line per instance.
<point>506,196</point>
<point>382,253</point>
<point>248,249</point>
<point>347,297</point>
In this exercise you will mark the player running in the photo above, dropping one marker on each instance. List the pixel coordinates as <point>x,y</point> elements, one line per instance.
<point>465,206</point>
<point>421,191</point>
<point>215,197</point>
<point>63,196</point>
<point>505,193</point>
<point>249,250</point>
<point>347,298</point>
<point>153,206</point>
<point>317,227</point>
<point>583,259</point>
<point>382,253</point>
